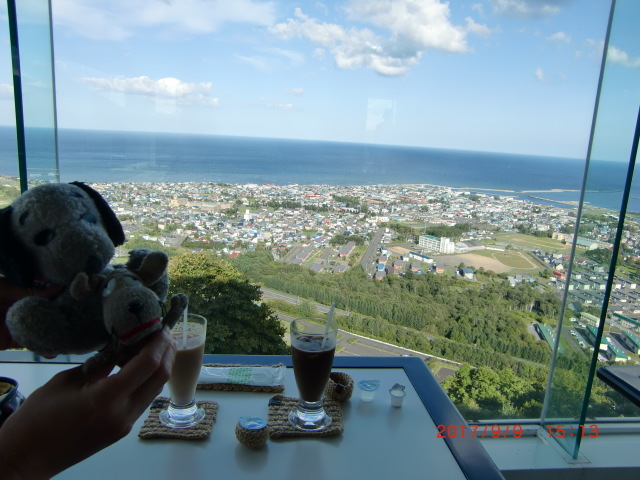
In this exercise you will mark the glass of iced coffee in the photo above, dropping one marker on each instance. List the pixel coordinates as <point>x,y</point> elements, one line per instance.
<point>312,348</point>
<point>189,336</point>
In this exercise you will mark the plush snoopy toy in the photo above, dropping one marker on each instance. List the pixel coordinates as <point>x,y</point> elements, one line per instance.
<point>65,234</point>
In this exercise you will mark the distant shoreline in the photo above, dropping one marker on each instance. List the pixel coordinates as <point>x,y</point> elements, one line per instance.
<point>565,202</point>
<point>552,190</point>
<point>517,192</point>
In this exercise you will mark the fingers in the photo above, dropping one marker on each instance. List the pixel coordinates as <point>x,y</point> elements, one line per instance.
<point>151,366</point>
<point>77,376</point>
<point>149,390</point>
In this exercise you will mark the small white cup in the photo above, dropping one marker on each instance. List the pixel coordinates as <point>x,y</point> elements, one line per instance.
<point>397,397</point>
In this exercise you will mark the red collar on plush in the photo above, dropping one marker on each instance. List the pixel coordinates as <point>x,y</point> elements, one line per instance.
<point>125,337</point>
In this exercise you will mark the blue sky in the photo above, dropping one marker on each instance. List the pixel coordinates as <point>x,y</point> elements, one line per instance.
<point>514,76</point>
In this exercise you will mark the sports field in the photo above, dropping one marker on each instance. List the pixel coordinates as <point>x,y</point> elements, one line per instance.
<point>510,261</point>
<point>529,242</point>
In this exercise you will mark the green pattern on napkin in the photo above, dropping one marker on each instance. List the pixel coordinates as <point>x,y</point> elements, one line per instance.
<point>240,375</point>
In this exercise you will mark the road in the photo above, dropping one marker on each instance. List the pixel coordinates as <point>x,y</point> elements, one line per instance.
<point>367,258</point>
<point>571,340</point>
<point>351,344</point>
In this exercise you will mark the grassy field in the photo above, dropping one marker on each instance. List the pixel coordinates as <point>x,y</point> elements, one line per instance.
<point>531,242</point>
<point>510,259</point>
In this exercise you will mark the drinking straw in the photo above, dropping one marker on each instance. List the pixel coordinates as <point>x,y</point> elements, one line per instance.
<point>184,329</point>
<point>326,327</point>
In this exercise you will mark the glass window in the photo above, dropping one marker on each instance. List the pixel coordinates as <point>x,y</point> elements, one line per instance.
<point>600,302</point>
<point>420,168</point>
<point>28,70</point>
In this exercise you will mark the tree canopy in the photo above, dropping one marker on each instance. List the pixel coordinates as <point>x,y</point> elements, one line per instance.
<point>483,324</point>
<point>481,393</point>
<point>238,323</point>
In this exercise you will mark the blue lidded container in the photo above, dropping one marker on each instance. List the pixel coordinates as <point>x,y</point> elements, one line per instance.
<point>252,432</point>
<point>253,423</point>
<point>368,389</point>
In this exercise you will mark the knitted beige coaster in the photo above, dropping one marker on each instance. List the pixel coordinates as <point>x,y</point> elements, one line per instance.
<point>279,426</point>
<point>235,382</point>
<point>152,428</point>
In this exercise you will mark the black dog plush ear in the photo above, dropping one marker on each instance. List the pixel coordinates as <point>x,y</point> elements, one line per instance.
<point>15,262</point>
<point>111,222</point>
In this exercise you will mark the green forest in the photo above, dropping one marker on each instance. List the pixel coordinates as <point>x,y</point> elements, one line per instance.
<point>483,325</point>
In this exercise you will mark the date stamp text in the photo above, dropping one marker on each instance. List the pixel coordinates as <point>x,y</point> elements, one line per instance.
<point>513,431</point>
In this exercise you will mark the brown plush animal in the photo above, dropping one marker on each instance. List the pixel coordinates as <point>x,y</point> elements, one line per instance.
<point>131,310</point>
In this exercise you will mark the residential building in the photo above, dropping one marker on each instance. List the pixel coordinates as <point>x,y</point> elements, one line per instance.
<point>436,244</point>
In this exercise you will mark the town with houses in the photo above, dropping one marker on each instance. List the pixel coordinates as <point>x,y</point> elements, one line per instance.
<point>296,223</point>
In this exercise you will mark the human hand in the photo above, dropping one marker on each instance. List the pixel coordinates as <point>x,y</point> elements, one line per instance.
<point>9,294</point>
<point>76,414</point>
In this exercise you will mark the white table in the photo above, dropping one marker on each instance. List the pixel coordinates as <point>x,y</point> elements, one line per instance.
<point>379,441</point>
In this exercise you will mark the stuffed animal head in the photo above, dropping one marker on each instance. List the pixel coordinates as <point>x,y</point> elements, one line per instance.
<point>56,230</point>
<point>131,309</point>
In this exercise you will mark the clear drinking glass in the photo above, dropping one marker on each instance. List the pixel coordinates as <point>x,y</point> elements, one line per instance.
<point>189,335</point>
<point>313,346</point>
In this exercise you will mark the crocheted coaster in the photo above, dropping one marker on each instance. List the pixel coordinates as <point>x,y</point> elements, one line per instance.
<point>152,428</point>
<point>236,381</point>
<point>279,426</point>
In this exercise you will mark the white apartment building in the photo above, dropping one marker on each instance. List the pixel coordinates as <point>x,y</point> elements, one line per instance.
<point>435,244</point>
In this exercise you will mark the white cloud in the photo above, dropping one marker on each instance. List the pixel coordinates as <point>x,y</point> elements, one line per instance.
<point>162,90</point>
<point>527,8</point>
<point>478,7</point>
<point>120,19</point>
<point>258,62</point>
<point>559,37</point>
<point>6,90</point>
<point>278,106</point>
<point>422,24</point>
<point>477,28</point>
<point>594,48</point>
<point>411,27</point>
<point>298,92</point>
<point>91,19</point>
<point>620,57</point>
<point>273,59</point>
<point>319,52</point>
<point>292,57</point>
<point>540,74</point>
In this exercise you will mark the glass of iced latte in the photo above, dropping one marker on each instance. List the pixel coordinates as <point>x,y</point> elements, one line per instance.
<point>189,335</point>
<point>312,348</point>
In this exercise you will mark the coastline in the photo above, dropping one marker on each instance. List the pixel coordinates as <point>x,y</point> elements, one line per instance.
<point>510,193</point>
<point>551,190</point>
<point>564,202</point>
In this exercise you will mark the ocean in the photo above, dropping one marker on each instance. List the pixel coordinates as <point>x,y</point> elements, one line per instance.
<point>114,156</point>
